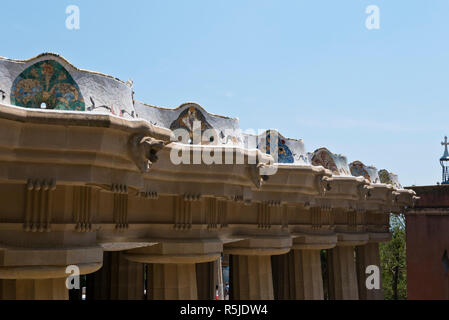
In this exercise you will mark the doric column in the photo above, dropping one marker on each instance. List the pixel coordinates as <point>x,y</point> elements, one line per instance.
<point>209,280</point>
<point>298,274</point>
<point>171,282</point>
<point>282,275</point>
<point>119,279</point>
<point>20,279</point>
<point>342,274</point>
<point>308,279</point>
<point>98,284</point>
<point>205,280</point>
<point>127,281</point>
<point>342,266</point>
<point>252,278</point>
<point>368,255</point>
<point>250,266</point>
<point>41,289</point>
<point>172,271</point>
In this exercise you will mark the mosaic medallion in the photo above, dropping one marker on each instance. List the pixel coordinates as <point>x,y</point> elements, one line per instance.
<point>385,177</point>
<point>322,157</point>
<point>358,170</point>
<point>284,155</point>
<point>186,121</point>
<point>47,82</point>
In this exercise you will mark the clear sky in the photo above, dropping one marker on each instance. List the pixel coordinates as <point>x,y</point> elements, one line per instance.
<point>310,69</point>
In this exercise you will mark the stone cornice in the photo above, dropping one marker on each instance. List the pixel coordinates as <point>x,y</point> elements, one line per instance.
<point>95,145</point>
<point>82,119</point>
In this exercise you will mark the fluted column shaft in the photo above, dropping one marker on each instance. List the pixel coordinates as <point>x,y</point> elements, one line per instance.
<point>308,278</point>
<point>368,255</point>
<point>298,275</point>
<point>252,278</point>
<point>119,279</point>
<point>342,274</point>
<point>42,289</point>
<point>171,282</point>
<point>205,280</point>
<point>209,279</point>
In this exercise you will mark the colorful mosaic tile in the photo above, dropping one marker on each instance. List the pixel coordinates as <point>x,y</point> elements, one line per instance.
<point>186,121</point>
<point>284,155</point>
<point>385,177</point>
<point>322,157</point>
<point>389,178</point>
<point>358,170</point>
<point>47,82</point>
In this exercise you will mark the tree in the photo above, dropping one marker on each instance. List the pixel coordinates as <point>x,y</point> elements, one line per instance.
<point>393,261</point>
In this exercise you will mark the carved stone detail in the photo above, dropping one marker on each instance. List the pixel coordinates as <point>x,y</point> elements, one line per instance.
<point>151,195</point>
<point>143,151</point>
<point>377,222</point>
<point>82,212</point>
<point>352,220</point>
<point>323,185</point>
<point>38,206</point>
<point>264,215</point>
<point>120,206</point>
<point>216,213</point>
<point>284,217</point>
<point>395,197</point>
<point>364,191</point>
<point>274,203</point>
<point>222,207</point>
<point>255,176</point>
<point>182,207</point>
<point>192,197</point>
<point>315,217</point>
<point>211,213</point>
<point>327,217</point>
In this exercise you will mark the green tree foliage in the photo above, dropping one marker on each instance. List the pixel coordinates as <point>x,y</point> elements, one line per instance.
<point>393,261</point>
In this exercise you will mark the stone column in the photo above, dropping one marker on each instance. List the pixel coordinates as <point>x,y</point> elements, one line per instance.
<point>251,270</point>
<point>342,266</point>
<point>41,274</point>
<point>342,274</point>
<point>41,289</point>
<point>127,281</point>
<point>209,280</point>
<point>205,280</point>
<point>119,279</point>
<point>298,274</point>
<point>307,274</point>
<point>98,284</point>
<point>368,255</point>
<point>172,273</point>
<point>282,275</point>
<point>171,282</point>
<point>252,278</point>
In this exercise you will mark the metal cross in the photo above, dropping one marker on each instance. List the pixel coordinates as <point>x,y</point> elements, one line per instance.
<point>445,143</point>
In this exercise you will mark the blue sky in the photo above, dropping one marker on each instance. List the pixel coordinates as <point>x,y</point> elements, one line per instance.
<point>307,68</point>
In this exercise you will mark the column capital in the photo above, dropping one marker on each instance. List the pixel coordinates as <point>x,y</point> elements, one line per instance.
<point>21,263</point>
<point>303,241</point>
<point>260,246</point>
<point>178,252</point>
<point>352,239</point>
<point>375,237</point>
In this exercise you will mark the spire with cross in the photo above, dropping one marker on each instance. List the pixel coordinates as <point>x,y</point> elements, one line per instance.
<point>444,161</point>
<point>445,144</point>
